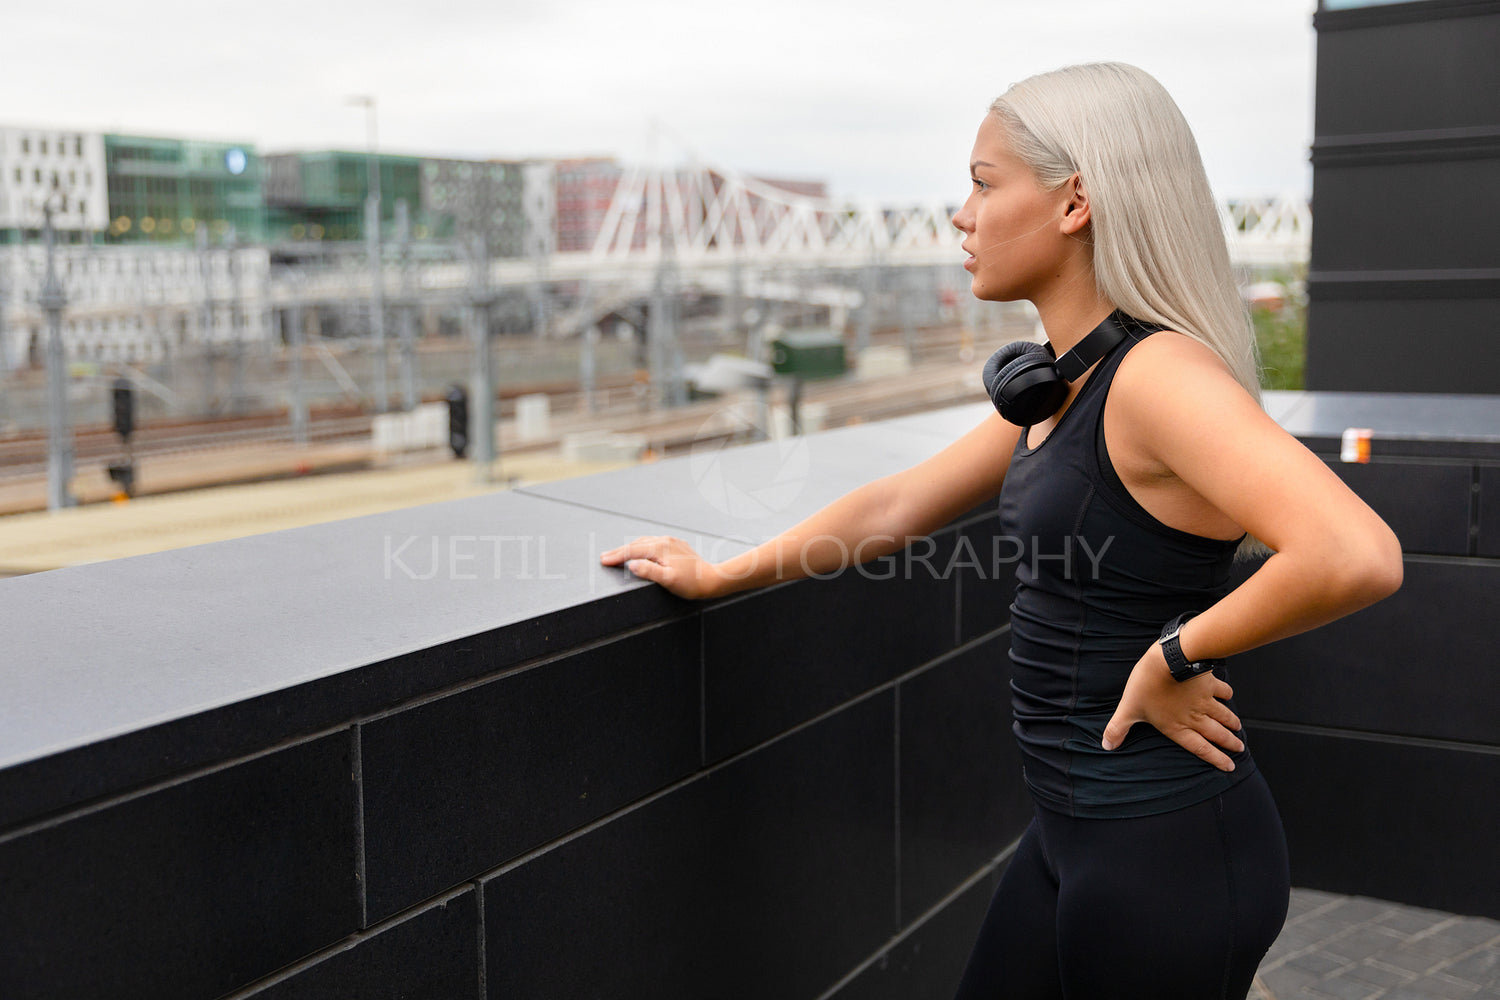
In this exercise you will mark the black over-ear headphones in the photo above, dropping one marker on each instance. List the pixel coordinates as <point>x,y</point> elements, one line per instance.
<point>1027,385</point>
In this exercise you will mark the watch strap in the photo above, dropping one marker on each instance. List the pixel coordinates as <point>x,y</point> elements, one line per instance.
<point>1171,647</point>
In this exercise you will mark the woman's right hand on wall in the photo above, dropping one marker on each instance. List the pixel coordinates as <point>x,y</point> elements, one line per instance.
<point>670,562</point>
<point>869,521</point>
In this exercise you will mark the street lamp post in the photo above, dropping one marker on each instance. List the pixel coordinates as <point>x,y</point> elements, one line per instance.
<point>4,339</point>
<point>53,299</point>
<point>236,325</point>
<point>294,332</point>
<point>482,385</point>
<point>407,334</point>
<point>4,301</point>
<point>206,324</point>
<point>372,242</point>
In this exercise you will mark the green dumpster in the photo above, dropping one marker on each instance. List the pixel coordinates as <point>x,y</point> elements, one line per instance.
<point>808,354</point>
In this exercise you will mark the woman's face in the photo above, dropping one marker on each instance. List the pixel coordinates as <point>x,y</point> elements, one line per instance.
<point>1013,227</point>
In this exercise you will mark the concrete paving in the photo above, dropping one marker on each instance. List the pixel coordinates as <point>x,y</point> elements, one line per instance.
<point>1355,948</point>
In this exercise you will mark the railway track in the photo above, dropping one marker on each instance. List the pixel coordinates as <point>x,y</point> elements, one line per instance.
<point>25,454</point>
<point>935,381</point>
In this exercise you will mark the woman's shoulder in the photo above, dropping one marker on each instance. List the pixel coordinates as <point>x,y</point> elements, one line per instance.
<point>1170,384</point>
<point>1163,345</point>
<point>1167,362</point>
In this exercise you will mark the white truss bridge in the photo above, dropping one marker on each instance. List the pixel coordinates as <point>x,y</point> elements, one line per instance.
<point>705,214</point>
<point>705,227</point>
<point>705,220</point>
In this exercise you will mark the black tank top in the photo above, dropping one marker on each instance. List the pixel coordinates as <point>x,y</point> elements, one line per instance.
<point>1097,577</point>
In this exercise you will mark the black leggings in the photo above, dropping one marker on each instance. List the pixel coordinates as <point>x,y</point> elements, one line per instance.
<point>1179,906</point>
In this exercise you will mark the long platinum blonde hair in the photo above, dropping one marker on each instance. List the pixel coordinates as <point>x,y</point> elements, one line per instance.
<point>1159,250</point>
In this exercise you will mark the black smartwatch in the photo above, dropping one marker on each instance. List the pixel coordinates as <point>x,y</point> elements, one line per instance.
<point>1171,648</point>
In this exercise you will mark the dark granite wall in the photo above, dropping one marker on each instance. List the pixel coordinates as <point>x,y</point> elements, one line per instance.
<point>290,767</point>
<point>802,789</point>
<point>1379,733</point>
<point>680,809</point>
<point>1404,284</point>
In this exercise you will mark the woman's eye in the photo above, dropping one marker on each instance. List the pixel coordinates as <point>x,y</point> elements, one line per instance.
<point>979,184</point>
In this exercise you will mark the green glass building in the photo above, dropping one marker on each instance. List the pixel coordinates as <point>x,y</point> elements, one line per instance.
<point>167,190</point>
<point>321,195</point>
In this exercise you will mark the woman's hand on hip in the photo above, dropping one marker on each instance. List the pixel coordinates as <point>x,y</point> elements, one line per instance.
<point>1188,712</point>
<point>668,561</point>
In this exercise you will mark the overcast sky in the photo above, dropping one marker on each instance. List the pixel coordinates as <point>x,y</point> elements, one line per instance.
<point>879,99</point>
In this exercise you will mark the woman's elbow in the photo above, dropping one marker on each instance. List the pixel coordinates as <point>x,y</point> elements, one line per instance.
<point>1376,573</point>
<point>1389,568</point>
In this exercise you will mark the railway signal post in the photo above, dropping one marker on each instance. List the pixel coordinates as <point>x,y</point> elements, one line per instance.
<point>53,300</point>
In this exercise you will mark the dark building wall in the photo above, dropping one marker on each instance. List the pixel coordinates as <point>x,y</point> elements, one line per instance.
<point>1378,733</point>
<point>1404,286</point>
<point>617,813</point>
<point>760,796</point>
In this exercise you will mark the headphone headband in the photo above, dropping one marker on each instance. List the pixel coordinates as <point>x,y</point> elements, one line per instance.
<point>1090,349</point>
<point>1027,385</point>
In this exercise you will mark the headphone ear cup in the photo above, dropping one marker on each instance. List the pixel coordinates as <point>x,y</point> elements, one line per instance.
<point>1022,381</point>
<point>996,367</point>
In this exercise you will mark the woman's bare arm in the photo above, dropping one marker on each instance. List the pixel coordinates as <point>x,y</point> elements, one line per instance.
<point>1333,554</point>
<point>873,520</point>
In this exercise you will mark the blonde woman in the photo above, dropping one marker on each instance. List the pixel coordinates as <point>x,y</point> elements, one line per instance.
<point>1155,866</point>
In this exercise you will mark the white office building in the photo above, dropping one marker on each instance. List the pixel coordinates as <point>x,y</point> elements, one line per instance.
<point>133,303</point>
<point>67,167</point>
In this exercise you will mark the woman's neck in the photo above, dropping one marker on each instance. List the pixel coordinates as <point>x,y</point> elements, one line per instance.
<point>1071,305</point>
<point>1069,320</point>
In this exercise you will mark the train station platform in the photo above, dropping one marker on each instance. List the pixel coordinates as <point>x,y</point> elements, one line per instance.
<point>45,540</point>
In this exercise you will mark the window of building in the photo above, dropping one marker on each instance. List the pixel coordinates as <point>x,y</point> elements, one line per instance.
<point>78,145</point>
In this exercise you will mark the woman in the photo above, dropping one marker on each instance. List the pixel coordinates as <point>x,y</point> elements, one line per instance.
<point>1155,865</point>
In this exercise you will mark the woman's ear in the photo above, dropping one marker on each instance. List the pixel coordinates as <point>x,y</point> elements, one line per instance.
<point>1076,215</point>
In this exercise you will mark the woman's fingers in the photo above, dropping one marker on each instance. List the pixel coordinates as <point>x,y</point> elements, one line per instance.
<point>648,570</point>
<point>666,560</point>
<point>1215,732</point>
<point>1194,742</point>
<point>1221,713</point>
<point>1190,713</point>
<point>1126,715</point>
<point>651,546</point>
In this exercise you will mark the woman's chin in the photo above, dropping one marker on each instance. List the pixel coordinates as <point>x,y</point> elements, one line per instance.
<point>988,292</point>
